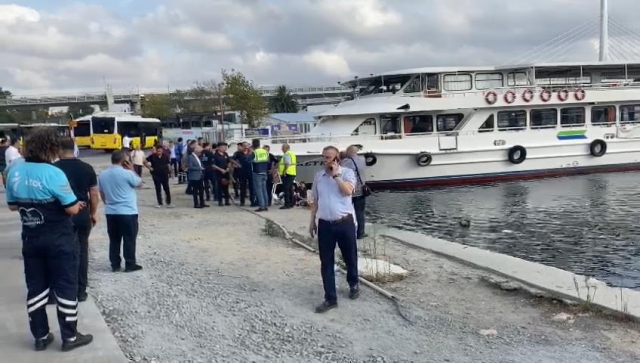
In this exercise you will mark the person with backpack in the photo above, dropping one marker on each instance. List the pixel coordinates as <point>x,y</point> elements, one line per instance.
<point>361,191</point>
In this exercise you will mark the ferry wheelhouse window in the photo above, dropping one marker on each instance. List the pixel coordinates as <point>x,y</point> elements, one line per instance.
<point>367,127</point>
<point>457,82</point>
<point>448,122</point>
<point>629,114</point>
<point>413,86</point>
<point>517,79</point>
<point>603,115</point>
<point>489,80</point>
<point>390,125</point>
<point>421,124</point>
<point>489,125</point>
<point>544,118</point>
<point>573,116</point>
<point>512,120</point>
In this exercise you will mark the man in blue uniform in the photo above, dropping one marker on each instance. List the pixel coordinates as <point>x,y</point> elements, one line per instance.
<point>41,193</point>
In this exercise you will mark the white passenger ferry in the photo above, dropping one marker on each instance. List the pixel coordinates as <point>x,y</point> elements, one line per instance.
<point>435,126</point>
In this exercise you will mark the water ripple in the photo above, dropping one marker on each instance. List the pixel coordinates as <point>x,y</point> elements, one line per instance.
<point>588,225</point>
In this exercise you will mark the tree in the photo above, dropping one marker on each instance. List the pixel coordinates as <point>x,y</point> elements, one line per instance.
<point>283,101</point>
<point>244,98</point>
<point>158,106</point>
<point>77,111</point>
<point>205,96</point>
<point>4,94</point>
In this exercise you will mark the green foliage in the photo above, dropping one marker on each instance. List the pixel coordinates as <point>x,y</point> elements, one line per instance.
<point>243,97</point>
<point>4,93</point>
<point>77,111</point>
<point>158,106</point>
<point>205,96</point>
<point>283,101</point>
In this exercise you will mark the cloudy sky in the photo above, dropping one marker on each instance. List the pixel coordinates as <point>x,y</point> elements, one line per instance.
<point>66,46</point>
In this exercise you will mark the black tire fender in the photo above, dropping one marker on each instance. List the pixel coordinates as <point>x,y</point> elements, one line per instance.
<point>424,159</point>
<point>598,148</point>
<point>517,154</point>
<point>370,159</point>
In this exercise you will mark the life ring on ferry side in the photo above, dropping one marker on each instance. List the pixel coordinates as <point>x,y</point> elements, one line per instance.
<point>510,97</point>
<point>491,97</point>
<point>545,95</point>
<point>563,95</point>
<point>517,154</point>
<point>580,94</point>
<point>424,159</point>
<point>598,148</point>
<point>370,159</point>
<point>527,95</point>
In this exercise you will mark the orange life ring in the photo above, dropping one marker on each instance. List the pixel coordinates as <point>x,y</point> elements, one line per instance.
<point>563,95</point>
<point>580,94</point>
<point>491,97</point>
<point>510,97</point>
<point>527,95</point>
<point>545,95</point>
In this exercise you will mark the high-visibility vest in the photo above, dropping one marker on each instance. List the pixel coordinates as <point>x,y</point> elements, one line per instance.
<point>262,156</point>
<point>292,168</point>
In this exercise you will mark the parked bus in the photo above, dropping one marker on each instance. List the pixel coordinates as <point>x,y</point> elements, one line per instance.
<point>9,131</point>
<point>63,130</point>
<point>107,131</point>
<point>82,131</point>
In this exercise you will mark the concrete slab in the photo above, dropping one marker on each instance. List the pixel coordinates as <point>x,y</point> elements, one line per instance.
<point>16,342</point>
<point>555,282</point>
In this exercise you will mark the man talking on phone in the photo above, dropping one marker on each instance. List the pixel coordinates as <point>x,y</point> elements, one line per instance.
<point>333,220</point>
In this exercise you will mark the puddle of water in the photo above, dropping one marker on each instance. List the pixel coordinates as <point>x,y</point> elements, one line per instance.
<point>588,225</point>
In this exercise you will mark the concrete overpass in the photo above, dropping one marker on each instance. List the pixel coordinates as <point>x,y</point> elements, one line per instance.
<point>314,95</point>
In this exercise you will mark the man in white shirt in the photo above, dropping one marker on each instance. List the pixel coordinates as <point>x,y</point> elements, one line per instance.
<point>333,219</point>
<point>12,151</point>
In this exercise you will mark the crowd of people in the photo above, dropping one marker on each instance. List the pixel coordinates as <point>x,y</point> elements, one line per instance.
<point>57,196</point>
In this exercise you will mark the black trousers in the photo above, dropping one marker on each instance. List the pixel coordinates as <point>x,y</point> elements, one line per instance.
<point>162,182</point>
<point>210,184</point>
<point>82,230</point>
<point>223,190</point>
<point>269,188</point>
<point>246,181</point>
<point>51,265</point>
<point>359,204</point>
<point>175,166</point>
<point>197,188</point>
<point>138,170</point>
<point>287,184</point>
<point>123,231</point>
<point>343,234</point>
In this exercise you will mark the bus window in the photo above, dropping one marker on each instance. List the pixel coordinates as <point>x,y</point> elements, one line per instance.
<point>103,125</point>
<point>132,129</point>
<point>82,129</point>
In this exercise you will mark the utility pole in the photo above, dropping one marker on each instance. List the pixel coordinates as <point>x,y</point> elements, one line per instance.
<point>604,30</point>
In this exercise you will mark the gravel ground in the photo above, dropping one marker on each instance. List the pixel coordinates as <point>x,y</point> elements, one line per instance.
<point>215,288</point>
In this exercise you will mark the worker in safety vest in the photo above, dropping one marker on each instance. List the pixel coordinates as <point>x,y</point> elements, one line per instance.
<point>287,171</point>
<point>260,160</point>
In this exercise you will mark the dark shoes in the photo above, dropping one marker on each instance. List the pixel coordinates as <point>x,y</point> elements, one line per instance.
<point>133,268</point>
<point>42,344</point>
<point>363,236</point>
<point>354,293</point>
<point>262,210</point>
<point>79,341</point>
<point>227,203</point>
<point>285,207</point>
<point>116,268</point>
<point>205,206</point>
<point>325,306</point>
<point>82,296</point>
<point>198,207</point>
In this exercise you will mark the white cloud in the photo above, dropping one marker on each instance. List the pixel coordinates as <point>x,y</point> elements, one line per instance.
<point>331,64</point>
<point>10,14</point>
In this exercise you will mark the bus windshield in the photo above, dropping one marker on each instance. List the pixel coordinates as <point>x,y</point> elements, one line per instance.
<point>82,129</point>
<point>103,125</point>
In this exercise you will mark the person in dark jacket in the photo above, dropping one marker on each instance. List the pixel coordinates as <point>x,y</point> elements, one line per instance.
<point>195,176</point>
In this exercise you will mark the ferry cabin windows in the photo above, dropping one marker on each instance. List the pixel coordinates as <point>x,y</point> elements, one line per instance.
<point>605,115</point>
<point>413,86</point>
<point>629,114</point>
<point>544,118</point>
<point>367,127</point>
<point>489,125</point>
<point>457,82</point>
<point>421,124</point>
<point>448,122</point>
<point>573,116</point>
<point>512,120</point>
<point>390,125</point>
<point>489,80</point>
<point>517,79</point>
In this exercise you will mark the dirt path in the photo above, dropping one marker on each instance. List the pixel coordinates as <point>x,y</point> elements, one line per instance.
<point>216,288</point>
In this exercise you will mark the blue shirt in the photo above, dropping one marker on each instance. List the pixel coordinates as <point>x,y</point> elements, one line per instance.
<point>332,203</point>
<point>119,187</point>
<point>41,192</point>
